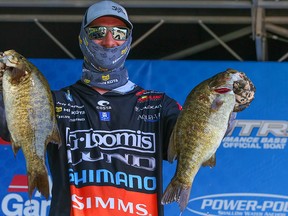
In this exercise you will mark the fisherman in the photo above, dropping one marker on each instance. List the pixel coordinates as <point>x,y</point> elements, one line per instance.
<point>114,133</point>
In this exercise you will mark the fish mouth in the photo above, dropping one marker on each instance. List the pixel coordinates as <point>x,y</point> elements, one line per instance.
<point>4,67</point>
<point>10,63</point>
<point>230,82</point>
<point>8,60</point>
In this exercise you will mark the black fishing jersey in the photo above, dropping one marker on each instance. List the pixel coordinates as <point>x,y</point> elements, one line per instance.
<point>110,160</point>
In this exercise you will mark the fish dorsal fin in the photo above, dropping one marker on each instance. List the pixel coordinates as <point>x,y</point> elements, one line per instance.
<point>211,162</point>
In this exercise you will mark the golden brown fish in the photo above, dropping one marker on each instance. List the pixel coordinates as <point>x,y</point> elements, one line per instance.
<point>30,116</point>
<point>200,128</point>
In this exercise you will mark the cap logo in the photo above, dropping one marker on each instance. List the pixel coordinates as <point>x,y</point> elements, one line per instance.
<point>118,9</point>
<point>106,78</point>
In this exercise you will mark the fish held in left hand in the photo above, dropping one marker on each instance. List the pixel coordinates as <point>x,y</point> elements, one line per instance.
<point>207,116</point>
<point>30,116</point>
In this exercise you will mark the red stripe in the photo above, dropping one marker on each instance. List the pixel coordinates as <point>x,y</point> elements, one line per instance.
<point>3,142</point>
<point>19,183</point>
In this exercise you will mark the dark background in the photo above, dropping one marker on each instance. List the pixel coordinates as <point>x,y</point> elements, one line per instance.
<point>260,26</point>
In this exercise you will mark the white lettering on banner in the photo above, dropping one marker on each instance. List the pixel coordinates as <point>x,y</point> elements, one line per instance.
<point>262,140</point>
<point>14,204</point>
<point>276,128</point>
<point>111,203</point>
<point>119,178</point>
<point>244,204</point>
<point>111,140</point>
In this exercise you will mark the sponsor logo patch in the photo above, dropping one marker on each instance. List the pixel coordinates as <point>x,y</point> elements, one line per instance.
<point>114,201</point>
<point>103,105</point>
<point>104,116</point>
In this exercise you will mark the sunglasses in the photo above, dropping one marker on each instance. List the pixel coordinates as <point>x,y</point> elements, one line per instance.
<point>99,32</point>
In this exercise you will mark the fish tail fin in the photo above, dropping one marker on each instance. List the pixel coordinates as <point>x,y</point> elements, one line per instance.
<point>176,192</point>
<point>38,179</point>
<point>184,197</point>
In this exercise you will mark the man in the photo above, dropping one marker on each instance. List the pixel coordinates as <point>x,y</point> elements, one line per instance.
<point>115,134</point>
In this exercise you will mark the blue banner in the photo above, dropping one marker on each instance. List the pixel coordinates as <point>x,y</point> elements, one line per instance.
<point>250,177</point>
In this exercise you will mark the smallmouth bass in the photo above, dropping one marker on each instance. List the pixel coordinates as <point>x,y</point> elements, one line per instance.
<point>30,116</point>
<point>207,116</point>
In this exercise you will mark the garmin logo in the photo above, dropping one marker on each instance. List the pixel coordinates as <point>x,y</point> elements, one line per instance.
<point>110,140</point>
<point>239,204</point>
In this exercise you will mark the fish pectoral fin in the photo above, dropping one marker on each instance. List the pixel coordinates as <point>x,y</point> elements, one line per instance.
<point>231,123</point>
<point>55,137</point>
<point>172,150</point>
<point>211,162</point>
<point>15,146</point>
<point>216,104</point>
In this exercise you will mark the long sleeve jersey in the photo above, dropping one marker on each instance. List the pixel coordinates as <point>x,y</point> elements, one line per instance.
<point>110,160</point>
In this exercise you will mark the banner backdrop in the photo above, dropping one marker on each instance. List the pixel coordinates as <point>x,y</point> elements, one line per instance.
<point>250,177</point>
